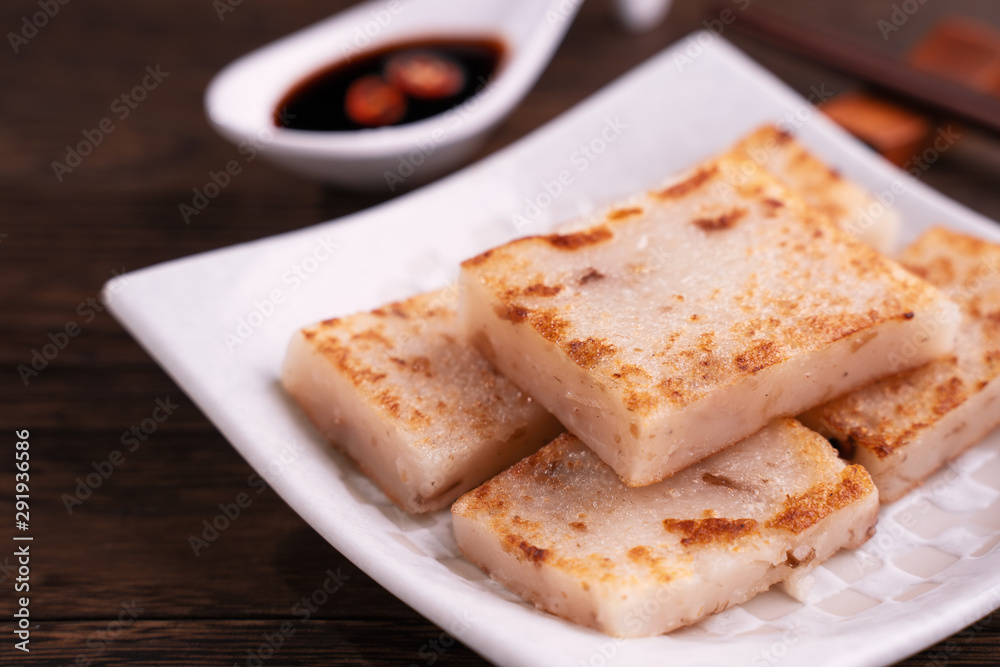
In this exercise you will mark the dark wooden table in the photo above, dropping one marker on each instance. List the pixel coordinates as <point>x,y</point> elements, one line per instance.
<point>113,578</point>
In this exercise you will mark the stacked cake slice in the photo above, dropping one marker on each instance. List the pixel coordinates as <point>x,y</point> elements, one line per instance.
<point>824,189</point>
<point>906,426</point>
<point>421,412</point>
<point>561,530</point>
<point>687,321</point>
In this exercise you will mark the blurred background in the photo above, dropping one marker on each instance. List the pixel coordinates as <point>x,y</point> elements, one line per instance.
<point>115,579</point>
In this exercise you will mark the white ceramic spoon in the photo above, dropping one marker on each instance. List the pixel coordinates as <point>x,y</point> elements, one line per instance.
<point>241,100</point>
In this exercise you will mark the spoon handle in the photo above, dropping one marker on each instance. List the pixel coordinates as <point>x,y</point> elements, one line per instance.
<point>642,15</point>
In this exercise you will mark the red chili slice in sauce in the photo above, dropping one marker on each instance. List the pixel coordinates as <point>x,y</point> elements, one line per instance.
<point>372,102</point>
<point>426,75</point>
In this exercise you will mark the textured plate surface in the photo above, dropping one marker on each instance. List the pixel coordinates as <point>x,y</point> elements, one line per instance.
<point>220,322</point>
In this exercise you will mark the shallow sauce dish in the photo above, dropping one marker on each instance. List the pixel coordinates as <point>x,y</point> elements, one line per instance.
<point>242,100</point>
<point>220,323</point>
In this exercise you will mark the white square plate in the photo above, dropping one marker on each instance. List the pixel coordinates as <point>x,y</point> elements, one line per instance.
<point>219,323</point>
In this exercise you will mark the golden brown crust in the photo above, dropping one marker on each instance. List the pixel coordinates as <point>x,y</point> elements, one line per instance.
<point>809,508</point>
<point>511,312</point>
<point>539,289</point>
<point>688,185</point>
<point>722,221</point>
<point>478,259</point>
<point>621,213</point>
<point>589,276</point>
<point>713,530</point>
<point>514,543</point>
<point>579,240</point>
<point>758,357</point>
<point>587,353</point>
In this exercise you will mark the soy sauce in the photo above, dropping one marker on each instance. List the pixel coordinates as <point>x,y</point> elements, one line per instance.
<point>318,103</point>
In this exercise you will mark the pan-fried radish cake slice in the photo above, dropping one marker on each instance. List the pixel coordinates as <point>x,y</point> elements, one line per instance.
<point>846,203</point>
<point>422,413</point>
<point>562,531</point>
<point>904,427</point>
<point>690,318</point>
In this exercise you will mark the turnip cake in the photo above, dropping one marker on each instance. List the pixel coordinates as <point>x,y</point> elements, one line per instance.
<point>828,191</point>
<point>691,317</point>
<point>562,531</point>
<point>422,413</point>
<point>905,427</point>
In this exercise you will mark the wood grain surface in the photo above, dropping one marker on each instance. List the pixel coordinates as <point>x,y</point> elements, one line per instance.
<point>115,580</point>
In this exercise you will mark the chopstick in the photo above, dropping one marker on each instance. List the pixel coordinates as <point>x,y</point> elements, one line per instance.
<point>870,64</point>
